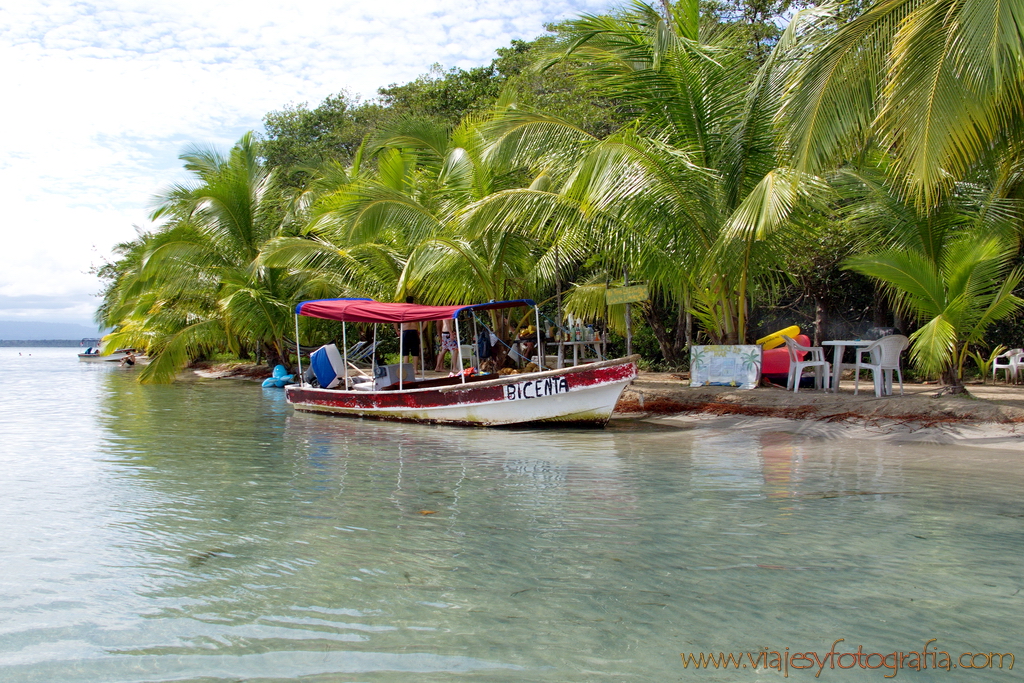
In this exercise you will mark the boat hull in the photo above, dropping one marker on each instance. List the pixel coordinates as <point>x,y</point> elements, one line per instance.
<point>95,358</point>
<point>579,395</point>
<point>112,358</point>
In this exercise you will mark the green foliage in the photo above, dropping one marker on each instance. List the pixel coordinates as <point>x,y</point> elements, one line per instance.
<point>298,137</point>
<point>934,82</point>
<point>956,292</point>
<point>558,89</point>
<point>699,148</point>
<point>760,23</point>
<point>444,95</point>
<point>984,364</point>
<point>688,196</point>
<point>405,230</point>
<point>194,286</point>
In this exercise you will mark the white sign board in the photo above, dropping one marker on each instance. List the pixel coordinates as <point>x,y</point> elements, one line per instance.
<point>725,366</point>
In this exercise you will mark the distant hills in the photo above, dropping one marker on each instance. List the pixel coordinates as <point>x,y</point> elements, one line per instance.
<point>27,330</point>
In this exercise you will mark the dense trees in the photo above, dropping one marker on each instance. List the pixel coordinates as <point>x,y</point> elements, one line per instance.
<point>700,149</point>
<point>300,137</point>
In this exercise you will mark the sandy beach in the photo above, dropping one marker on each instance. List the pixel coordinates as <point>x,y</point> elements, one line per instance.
<point>989,416</point>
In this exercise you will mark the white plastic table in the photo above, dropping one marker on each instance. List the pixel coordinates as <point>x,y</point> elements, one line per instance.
<point>837,356</point>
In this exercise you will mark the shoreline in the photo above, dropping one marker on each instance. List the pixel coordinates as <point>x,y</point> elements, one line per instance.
<point>987,435</point>
<point>667,393</point>
<point>992,416</point>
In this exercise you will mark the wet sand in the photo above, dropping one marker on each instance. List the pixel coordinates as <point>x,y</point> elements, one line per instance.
<point>990,416</point>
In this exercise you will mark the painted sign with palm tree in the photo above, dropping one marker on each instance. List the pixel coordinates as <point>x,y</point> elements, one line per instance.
<point>725,366</point>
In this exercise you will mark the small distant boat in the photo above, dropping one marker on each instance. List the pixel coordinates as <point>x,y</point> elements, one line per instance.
<point>583,394</point>
<point>94,355</point>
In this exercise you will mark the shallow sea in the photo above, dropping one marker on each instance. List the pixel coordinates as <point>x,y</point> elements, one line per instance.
<point>206,532</point>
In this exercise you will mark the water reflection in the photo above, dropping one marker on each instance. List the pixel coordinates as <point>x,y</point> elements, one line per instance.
<point>204,532</point>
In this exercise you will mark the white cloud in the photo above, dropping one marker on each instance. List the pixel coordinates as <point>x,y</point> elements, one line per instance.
<point>100,98</point>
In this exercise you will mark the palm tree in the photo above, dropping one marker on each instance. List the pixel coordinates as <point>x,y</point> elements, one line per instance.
<point>686,196</point>
<point>956,297</point>
<point>937,83</point>
<point>204,289</point>
<point>402,231</point>
<point>335,260</point>
<point>948,268</point>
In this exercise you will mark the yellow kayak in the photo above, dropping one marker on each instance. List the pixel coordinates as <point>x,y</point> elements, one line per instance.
<point>774,339</point>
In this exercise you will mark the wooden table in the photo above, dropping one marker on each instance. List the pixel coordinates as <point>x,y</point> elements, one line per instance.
<point>837,356</point>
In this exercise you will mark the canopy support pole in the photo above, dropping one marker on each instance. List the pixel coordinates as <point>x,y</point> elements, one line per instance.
<point>560,358</point>
<point>629,315</point>
<point>401,357</point>
<point>344,350</point>
<point>298,350</point>
<point>540,342</point>
<point>423,369</point>
<point>458,341</point>
<point>476,340</point>
<point>373,355</point>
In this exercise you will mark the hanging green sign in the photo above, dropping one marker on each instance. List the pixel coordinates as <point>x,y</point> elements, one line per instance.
<point>626,295</point>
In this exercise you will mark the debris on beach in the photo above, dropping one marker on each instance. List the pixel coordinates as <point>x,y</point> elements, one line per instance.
<point>655,395</point>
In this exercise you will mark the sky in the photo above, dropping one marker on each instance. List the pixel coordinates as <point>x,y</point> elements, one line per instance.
<point>100,98</point>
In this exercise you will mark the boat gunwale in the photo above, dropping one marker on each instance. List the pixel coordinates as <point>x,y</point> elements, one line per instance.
<point>480,384</point>
<point>511,379</point>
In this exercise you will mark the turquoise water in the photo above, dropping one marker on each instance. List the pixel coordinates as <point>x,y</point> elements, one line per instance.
<point>205,532</point>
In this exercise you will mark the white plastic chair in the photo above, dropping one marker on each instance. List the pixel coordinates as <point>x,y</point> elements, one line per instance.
<point>1012,361</point>
<point>815,359</point>
<point>881,358</point>
<point>469,355</point>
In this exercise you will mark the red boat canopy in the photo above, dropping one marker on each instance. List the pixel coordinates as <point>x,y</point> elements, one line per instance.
<point>369,311</point>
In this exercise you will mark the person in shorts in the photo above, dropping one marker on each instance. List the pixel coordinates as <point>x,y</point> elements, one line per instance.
<point>449,344</point>
<point>411,344</point>
<point>410,333</point>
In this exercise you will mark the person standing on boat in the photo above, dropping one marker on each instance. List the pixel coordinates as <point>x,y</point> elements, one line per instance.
<point>449,344</point>
<point>410,333</point>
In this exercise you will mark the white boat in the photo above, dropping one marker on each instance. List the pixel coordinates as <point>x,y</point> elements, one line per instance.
<point>584,394</point>
<point>95,355</point>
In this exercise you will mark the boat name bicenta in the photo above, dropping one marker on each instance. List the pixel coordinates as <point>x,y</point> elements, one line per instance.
<point>537,388</point>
